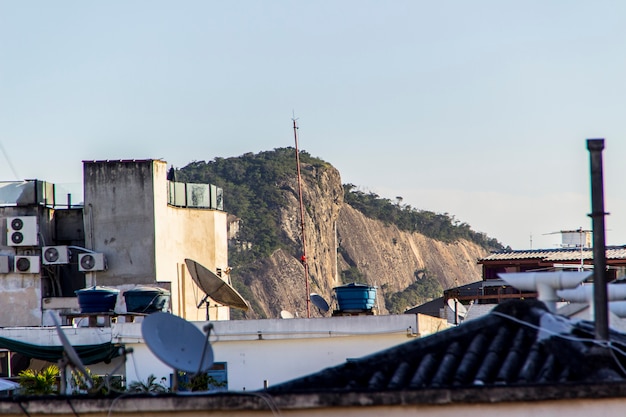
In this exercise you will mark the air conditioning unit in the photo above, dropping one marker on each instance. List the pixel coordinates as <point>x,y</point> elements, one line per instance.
<point>89,262</point>
<point>55,255</point>
<point>26,264</point>
<point>22,231</point>
<point>4,264</point>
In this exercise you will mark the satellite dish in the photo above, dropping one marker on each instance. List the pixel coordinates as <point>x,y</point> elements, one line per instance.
<point>286,315</point>
<point>319,302</point>
<point>215,287</point>
<point>177,343</point>
<point>457,307</point>
<point>71,357</point>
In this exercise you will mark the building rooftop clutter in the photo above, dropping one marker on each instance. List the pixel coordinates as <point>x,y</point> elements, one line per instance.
<point>555,255</point>
<point>545,259</point>
<point>519,343</point>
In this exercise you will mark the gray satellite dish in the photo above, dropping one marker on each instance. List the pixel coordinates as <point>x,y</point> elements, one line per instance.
<point>71,358</point>
<point>177,343</point>
<point>319,302</point>
<point>284,314</point>
<point>215,287</point>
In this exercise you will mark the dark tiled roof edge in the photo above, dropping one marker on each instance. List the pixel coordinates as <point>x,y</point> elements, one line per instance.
<point>460,395</point>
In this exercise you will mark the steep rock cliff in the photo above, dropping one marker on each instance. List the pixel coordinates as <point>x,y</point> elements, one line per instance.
<point>339,237</point>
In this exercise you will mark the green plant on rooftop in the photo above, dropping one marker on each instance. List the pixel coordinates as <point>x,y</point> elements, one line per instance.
<point>42,382</point>
<point>149,386</point>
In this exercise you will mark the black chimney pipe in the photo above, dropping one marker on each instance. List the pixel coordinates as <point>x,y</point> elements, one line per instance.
<point>595,147</point>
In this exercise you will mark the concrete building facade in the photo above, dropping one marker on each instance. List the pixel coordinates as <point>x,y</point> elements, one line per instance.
<point>139,225</point>
<point>133,216</point>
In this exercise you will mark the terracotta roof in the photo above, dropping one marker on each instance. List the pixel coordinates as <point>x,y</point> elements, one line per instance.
<point>519,343</point>
<point>554,255</point>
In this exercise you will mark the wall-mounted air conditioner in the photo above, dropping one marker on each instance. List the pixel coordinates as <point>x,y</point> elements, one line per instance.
<point>4,264</point>
<point>55,255</point>
<point>22,231</point>
<point>90,262</point>
<point>26,264</point>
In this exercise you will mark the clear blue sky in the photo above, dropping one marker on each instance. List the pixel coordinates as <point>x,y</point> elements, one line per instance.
<point>480,109</point>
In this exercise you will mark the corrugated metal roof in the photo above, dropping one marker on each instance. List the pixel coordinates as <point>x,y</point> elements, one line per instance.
<point>554,255</point>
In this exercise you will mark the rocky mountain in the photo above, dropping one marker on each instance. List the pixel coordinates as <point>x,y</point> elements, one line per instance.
<point>342,243</point>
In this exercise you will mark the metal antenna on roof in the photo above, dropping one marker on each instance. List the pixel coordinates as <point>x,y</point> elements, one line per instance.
<point>303,257</point>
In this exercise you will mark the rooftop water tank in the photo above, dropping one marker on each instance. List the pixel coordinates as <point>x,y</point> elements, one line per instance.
<point>355,297</point>
<point>97,299</point>
<point>147,300</point>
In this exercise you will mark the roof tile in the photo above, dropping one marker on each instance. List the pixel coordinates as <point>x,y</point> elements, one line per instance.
<point>507,346</point>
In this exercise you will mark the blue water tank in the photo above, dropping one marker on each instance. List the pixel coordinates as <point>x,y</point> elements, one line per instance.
<point>147,300</point>
<point>97,299</point>
<point>355,297</point>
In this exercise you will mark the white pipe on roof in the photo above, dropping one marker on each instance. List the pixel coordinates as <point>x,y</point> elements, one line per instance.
<point>584,293</point>
<point>546,283</point>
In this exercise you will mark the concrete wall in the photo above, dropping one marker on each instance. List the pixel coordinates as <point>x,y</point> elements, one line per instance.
<point>278,350</point>
<point>145,240</point>
<point>21,294</point>
<point>247,404</point>
<point>195,233</point>
<point>119,219</point>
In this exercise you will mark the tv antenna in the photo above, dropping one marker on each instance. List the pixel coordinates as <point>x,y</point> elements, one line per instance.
<point>303,257</point>
<point>178,343</point>
<point>575,239</point>
<point>214,287</point>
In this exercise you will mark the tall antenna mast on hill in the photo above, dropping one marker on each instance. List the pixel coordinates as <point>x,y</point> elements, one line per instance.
<point>303,257</point>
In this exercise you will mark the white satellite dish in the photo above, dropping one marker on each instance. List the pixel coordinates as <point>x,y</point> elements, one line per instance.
<point>319,302</point>
<point>457,307</point>
<point>284,314</point>
<point>70,358</point>
<point>177,342</point>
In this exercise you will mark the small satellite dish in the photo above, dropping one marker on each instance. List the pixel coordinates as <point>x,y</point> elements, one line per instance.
<point>177,343</point>
<point>286,315</point>
<point>319,302</point>
<point>71,357</point>
<point>457,307</point>
<point>215,287</point>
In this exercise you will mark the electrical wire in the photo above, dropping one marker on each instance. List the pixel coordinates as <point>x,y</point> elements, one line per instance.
<point>607,344</point>
<point>113,403</point>
<point>23,409</point>
<point>71,406</point>
<point>265,397</point>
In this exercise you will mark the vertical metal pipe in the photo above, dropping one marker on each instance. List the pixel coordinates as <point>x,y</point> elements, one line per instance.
<point>595,147</point>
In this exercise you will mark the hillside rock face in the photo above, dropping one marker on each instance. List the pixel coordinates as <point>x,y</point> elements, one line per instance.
<point>338,237</point>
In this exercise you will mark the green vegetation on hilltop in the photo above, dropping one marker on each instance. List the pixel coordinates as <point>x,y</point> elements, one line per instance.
<point>437,226</point>
<point>252,188</point>
<point>254,191</point>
